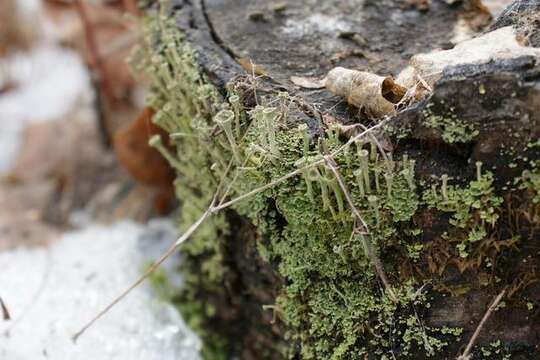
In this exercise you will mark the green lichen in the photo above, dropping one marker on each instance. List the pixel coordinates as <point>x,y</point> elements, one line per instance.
<point>185,104</point>
<point>451,128</point>
<point>495,350</point>
<point>474,208</point>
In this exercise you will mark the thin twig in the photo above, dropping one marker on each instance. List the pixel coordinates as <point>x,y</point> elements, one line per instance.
<point>212,209</point>
<point>186,235</point>
<point>377,142</point>
<point>163,257</point>
<point>5,312</point>
<point>298,171</point>
<point>264,187</point>
<point>372,255</point>
<point>424,83</point>
<point>93,50</point>
<point>466,354</point>
<point>101,82</point>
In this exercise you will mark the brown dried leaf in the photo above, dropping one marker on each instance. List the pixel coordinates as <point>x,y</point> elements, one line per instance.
<point>392,91</point>
<point>144,163</point>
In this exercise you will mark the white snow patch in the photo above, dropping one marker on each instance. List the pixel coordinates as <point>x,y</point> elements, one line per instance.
<point>50,82</point>
<point>52,292</point>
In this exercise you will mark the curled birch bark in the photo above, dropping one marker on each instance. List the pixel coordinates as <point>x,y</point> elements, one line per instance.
<point>373,94</point>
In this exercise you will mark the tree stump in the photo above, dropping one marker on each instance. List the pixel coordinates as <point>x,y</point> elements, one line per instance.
<point>390,243</point>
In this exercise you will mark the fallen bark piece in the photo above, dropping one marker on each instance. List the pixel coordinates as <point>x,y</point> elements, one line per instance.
<point>501,44</point>
<point>371,93</point>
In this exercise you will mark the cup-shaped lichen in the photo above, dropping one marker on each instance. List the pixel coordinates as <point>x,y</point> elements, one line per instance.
<point>225,119</point>
<point>364,165</point>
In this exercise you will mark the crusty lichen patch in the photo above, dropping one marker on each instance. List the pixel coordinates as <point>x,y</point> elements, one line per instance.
<point>332,301</point>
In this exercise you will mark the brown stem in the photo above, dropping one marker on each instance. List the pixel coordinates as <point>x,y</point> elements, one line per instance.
<point>372,255</point>
<point>466,354</point>
<point>5,312</point>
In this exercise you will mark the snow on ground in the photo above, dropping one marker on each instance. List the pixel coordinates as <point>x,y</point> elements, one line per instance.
<point>50,82</point>
<point>52,292</point>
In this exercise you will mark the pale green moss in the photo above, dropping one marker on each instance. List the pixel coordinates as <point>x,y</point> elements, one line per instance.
<point>185,104</point>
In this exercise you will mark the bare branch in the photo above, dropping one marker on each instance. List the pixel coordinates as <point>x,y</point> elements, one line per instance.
<point>370,252</point>
<point>466,354</point>
<point>186,235</point>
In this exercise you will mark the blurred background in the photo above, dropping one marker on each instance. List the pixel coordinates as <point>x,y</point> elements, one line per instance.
<point>84,202</point>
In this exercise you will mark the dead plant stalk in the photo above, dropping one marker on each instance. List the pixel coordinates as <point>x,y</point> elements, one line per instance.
<point>467,353</point>
<point>362,229</point>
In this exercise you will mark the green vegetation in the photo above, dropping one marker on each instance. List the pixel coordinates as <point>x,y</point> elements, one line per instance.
<point>185,102</point>
<point>451,129</point>
<point>475,208</point>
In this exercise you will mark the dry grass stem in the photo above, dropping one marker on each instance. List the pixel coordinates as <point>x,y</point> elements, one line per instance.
<point>467,353</point>
<point>213,208</point>
<point>370,252</point>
